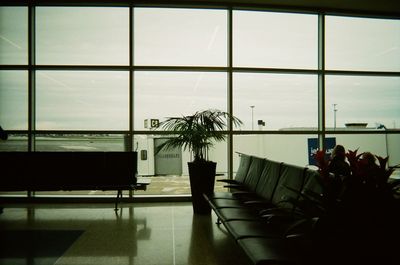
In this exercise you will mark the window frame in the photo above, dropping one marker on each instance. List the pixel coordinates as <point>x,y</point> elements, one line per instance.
<point>321,72</point>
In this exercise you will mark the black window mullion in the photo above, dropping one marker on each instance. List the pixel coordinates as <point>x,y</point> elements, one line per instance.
<point>321,80</point>
<point>129,136</point>
<point>230,90</point>
<point>31,77</point>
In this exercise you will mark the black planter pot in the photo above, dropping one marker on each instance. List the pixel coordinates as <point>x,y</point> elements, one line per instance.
<point>202,178</point>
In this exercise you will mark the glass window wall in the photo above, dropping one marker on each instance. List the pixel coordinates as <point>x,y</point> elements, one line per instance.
<point>82,100</point>
<point>14,35</point>
<point>55,142</point>
<point>168,169</point>
<point>159,95</point>
<point>82,36</point>
<point>275,40</point>
<point>14,100</point>
<point>291,149</point>
<point>180,37</point>
<point>362,99</point>
<point>279,101</point>
<point>15,143</point>
<point>362,44</point>
<point>82,79</point>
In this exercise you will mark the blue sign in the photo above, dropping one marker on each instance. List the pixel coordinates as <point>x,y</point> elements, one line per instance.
<point>330,143</point>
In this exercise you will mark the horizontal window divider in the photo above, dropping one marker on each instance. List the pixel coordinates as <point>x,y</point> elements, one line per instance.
<point>152,132</point>
<point>81,67</point>
<point>234,132</point>
<point>274,8</point>
<point>366,131</point>
<point>180,4</point>
<point>14,67</point>
<point>182,68</point>
<point>275,70</point>
<point>361,73</point>
<point>197,69</point>
<point>371,131</point>
<point>80,3</point>
<point>272,132</point>
<point>155,132</point>
<point>16,131</point>
<point>78,132</point>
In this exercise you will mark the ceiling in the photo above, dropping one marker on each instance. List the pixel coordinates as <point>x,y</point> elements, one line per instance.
<point>369,7</point>
<point>389,7</point>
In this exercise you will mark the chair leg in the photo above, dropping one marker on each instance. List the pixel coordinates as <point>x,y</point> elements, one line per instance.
<point>119,195</point>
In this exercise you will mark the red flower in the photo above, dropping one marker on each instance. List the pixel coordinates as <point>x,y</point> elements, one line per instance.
<point>384,173</point>
<point>323,166</point>
<point>354,160</point>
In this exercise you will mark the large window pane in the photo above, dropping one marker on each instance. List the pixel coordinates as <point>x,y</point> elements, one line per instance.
<point>14,100</point>
<point>281,40</point>
<point>379,144</point>
<point>169,170</point>
<point>90,100</point>
<point>279,100</point>
<point>291,149</point>
<point>13,35</point>
<point>169,94</point>
<point>362,99</point>
<point>362,44</point>
<point>164,36</point>
<point>15,142</point>
<point>80,142</point>
<point>82,35</point>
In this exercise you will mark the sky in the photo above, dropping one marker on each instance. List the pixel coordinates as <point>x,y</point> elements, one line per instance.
<point>99,100</point>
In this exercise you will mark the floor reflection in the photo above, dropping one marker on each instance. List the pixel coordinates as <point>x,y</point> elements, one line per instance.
<point>147,233</point>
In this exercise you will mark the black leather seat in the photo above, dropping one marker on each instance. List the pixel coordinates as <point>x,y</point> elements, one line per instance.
<point>246,190</point>
<point>269,251</point>
<point>263,213</point>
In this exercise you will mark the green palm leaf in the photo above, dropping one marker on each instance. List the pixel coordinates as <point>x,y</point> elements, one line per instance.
<point>198,132</point>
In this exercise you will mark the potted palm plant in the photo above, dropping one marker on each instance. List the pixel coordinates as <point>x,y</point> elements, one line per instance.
<point>198,133</point>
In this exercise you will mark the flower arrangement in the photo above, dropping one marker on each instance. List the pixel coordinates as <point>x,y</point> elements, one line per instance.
<point>367,180</point>
<point>358,215</point>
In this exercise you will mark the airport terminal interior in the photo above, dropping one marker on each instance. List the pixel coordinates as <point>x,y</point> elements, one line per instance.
<point>101,77</point>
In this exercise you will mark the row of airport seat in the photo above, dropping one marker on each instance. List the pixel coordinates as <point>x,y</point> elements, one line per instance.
<point>67,171</point>
<point>260,212</point>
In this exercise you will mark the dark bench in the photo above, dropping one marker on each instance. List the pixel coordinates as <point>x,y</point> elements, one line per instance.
<point>257,212</point>
<point>53,171</point>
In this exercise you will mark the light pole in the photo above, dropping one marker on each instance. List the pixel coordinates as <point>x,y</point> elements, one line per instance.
<point>334,116</point>
<point>252,117</point>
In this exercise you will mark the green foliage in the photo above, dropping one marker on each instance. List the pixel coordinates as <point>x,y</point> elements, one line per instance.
<point>354,219</point>
<point>198,132</point>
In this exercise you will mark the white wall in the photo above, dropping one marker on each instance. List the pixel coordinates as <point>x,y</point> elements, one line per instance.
<point>292,149</point>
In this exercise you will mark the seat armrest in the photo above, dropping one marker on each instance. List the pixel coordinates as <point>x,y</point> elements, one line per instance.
<point>230,181</point>
<point>259,204</point>
<point>278,218</point>
<point>235,186</point>
<point>301,228</point>
<point>272,210</point>
<point>241,193</point>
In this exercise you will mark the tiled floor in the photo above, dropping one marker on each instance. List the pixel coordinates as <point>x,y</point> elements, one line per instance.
<point>160,185</point>
<point>141,233</point>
